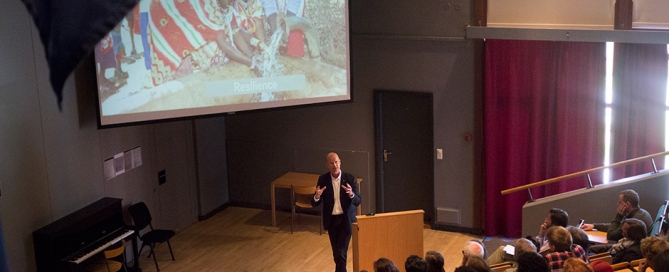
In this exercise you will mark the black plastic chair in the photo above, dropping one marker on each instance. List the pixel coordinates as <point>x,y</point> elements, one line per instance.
<point>142,218</point>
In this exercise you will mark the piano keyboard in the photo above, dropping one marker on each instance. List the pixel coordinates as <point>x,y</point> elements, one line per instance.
<point>102,247</point>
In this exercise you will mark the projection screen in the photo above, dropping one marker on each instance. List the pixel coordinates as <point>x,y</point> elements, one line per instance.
<point>182,58</point>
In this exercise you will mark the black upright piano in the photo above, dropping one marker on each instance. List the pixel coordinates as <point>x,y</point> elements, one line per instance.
<point>69,243</point>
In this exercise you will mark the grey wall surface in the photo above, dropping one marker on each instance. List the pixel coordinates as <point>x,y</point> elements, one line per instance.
<point>598,204</point>
<point>52,161</point>
<point>264,145</point>
<point>211,163</point>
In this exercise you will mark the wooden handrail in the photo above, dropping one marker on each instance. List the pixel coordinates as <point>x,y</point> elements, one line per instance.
<point>584,172</point>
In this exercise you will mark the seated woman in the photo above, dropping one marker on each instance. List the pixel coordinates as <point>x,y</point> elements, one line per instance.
<point>629,247</point>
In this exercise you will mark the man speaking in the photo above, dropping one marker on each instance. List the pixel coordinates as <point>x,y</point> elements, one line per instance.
<point>338,191</point>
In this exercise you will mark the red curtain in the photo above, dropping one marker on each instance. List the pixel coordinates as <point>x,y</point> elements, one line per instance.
<point>638,108</point>
<point>544,117</point>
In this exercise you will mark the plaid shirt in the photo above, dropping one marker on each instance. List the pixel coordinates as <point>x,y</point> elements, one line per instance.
<point>556,259</point>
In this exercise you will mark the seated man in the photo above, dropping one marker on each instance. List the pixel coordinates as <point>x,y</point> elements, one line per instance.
<point>628,207</point>
<point>415,264</point>
<point>472,248</point>
<point>521,246</point>
<point>435,261</point>
<point>579,237</point>
<point>532,262</point>
<point>556,217</point>
<point>478,263</point>
<point>561,248</point>
<point>651,247</point>
<point>385,265</point>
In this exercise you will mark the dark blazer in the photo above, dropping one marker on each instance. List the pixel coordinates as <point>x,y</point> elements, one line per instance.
<point>348,204</point>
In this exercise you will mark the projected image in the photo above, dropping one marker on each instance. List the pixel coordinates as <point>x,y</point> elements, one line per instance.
<point>181,58</point>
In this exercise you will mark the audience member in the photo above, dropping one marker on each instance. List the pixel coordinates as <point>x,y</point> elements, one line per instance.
<point>601,266</point>
<point>464,269</point>
<point>385,265</point>
<point>579,237</point>
<point>628,207</point>
<point>500,255</point>
<point>478,263</point>
<point>629,247</point>
<point>521,246</point>
<point>576,265</point>
<point>661,261</point>
<point>651,247</point>
<point>415,264</point>
<point>561,248</point>
<point>435,261</point>
<point>533,240</point>
<point>556,217</point>
<point>532,262</point>
<point>473,248</point>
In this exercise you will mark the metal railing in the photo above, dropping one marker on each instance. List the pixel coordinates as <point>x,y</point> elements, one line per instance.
<point>582,173</point>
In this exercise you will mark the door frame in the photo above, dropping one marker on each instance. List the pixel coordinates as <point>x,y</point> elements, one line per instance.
<point>378,146</point>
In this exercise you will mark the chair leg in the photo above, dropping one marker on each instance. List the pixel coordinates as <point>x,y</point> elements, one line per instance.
<point>150,251</point>
<point>154,256</point>
<point>292,210</point>
<point>141,248</point>
<point>170,246</point>
<point>320,229</point>
<point>125,263</point>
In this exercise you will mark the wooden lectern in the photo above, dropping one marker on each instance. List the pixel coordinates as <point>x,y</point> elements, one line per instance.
<point>394,236</point>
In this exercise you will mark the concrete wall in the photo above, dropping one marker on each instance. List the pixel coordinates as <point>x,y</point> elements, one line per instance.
<point>211,163</point>
<point>598,204</point>
<point>51,160</point>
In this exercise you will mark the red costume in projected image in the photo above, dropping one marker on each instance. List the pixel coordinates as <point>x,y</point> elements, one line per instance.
<point>248,26</point>
<point>188,36</point>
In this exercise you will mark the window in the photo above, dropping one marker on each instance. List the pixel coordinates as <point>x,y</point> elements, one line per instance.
<point>608,114</point>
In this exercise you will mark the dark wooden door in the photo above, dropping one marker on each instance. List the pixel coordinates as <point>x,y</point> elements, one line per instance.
<point>404,156</point>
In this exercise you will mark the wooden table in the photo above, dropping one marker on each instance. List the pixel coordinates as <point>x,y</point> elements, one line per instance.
<point>597,237</point>
<point>296,179</point>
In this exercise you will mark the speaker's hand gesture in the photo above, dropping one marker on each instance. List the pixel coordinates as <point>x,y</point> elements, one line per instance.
<point>319,191</point>
<point>348,189</point>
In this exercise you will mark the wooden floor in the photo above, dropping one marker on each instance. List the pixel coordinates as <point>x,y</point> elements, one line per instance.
<point>242,239</point>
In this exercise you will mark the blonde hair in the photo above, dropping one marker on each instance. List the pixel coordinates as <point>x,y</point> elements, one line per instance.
<point>559,238</point>
<point>576,265</point>
<point>653,246</point>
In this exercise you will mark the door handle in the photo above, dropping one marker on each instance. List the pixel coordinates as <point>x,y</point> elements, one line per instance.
<point>385,155</point>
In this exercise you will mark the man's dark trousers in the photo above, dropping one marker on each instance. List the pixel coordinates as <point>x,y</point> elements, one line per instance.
<point>340,235</point>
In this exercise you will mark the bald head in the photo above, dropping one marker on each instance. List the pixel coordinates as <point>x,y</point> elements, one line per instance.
<point>333,164</point>
<point>473,248</point>
<point>523,245</point>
